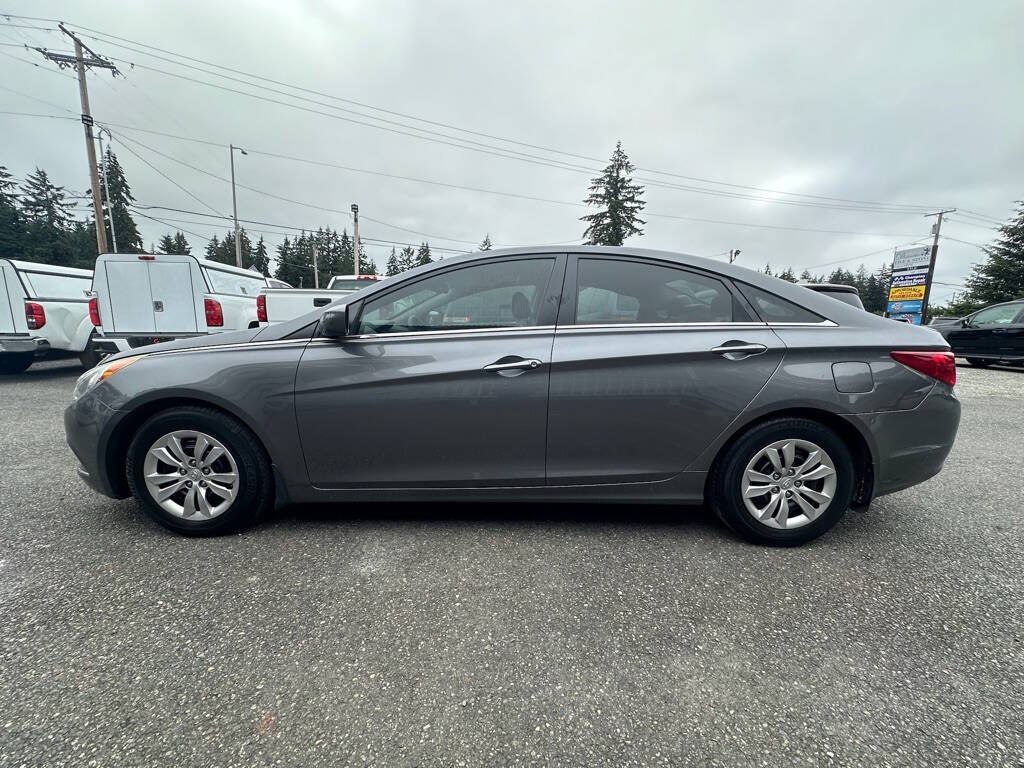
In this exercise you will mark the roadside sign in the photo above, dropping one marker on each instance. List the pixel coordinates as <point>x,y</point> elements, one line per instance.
<point>912,259</point>
<point>909,284</point>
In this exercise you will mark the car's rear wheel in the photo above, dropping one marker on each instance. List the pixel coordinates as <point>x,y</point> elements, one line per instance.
<point>979,362</point>
<point>16,362</point>
<point>784,483</point>
<point>199,471</point>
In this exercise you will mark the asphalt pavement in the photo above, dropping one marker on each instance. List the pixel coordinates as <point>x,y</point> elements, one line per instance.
<point>511,635</point>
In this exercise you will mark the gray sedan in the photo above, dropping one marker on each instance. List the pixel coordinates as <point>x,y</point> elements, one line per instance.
<point>597,374</point>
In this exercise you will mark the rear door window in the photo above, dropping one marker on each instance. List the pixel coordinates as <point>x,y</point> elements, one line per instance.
<point>618,291</point>
<point>774,309</point>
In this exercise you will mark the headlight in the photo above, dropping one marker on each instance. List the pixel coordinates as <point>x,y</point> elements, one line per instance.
<point>101,372</point>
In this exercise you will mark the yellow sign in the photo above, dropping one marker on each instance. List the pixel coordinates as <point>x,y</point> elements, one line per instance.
<point>906,293</point>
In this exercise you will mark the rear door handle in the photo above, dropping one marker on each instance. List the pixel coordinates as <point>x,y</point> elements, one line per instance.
<point>516,365</point>
<point>739,350</point>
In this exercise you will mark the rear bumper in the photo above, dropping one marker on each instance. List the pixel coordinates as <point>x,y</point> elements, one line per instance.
<point>23,344</point>
<point>911,446</point>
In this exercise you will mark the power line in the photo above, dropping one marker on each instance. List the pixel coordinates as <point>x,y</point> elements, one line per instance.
<point>179,186</point>
<point>462,143</point>
<point>111,39</point>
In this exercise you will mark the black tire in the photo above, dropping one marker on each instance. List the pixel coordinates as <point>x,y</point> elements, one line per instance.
<point>979,362</point>
<point>90,357</point>
<point>724,485</point>
<point>255,478</point>
<point>16,362</point>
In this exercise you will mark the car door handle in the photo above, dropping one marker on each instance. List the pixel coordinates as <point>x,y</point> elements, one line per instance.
<point>515,365</point>
<point>739,350</point>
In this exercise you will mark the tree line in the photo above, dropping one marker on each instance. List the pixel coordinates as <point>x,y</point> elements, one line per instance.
<point>38,222</point>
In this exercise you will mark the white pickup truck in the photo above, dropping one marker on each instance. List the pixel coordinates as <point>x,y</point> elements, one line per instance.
<point>42,307</point>
<point>144,298</point>
<point>279,304</point>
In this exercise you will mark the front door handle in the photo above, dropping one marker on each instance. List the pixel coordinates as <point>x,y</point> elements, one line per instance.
<point>515,365</point>
<point>737,350</point>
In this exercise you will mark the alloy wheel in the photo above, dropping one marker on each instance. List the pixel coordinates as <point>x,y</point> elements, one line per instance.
<point>788,483</point>
<point>191,474</point>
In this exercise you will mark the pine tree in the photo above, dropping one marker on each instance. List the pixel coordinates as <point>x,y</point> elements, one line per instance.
<point>1001,276</point>
<point>407,258</point>
<point>392,268</point>
<point>806,276</point>
<point>261,259</point>
<point>166,244</point>
<point>423,255</point>
<point>620,202</point>
<point>181,244</point>
<point>485,244</point>
<point>128,238</point>
<point>212,249</point>
<point>768,269</point>
<point>787,274</point>
<point>12,227</point>
<point>46,211</point>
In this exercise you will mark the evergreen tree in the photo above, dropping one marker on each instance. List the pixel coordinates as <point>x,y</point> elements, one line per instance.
<point>212,249</point>
<point>12,227</point>
<point>392,268</point>
<point>485,245</point>
<point>806,276</point>
<point>406,258</point>
<point>620,202</point>
<point>261,259</point>
<point>1001,276</point>
<point>181,244</point>
<point>48,222</point>
<point>768,269</point>
<point>423,255</point>
<point>166,244</point>
<point>787,274</point>
<point>128,238</point>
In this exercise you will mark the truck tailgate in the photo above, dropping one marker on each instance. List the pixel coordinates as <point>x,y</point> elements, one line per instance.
<point>289,303</point>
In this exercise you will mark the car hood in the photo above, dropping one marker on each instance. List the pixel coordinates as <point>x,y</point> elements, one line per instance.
<point>192,342</point>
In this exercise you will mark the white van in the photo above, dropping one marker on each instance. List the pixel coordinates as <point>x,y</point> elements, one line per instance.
<point>42,307</point>
<point>144,298</point>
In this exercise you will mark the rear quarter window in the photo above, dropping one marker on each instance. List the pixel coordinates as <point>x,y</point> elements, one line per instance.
<point>47,286</point>
<point>774,309</point>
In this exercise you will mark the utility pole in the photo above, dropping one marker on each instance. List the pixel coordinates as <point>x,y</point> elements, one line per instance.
<point>355,240</point>
<point>234,204</point>
<point>80,63</point>
<point>106,186</point>
<point>316,269</point>
<point>733,255</point>
<point>936,228</point>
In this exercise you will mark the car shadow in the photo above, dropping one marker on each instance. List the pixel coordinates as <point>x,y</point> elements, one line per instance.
<point>473,513</point>
<point>1005,368</point>
<point>46,372</point>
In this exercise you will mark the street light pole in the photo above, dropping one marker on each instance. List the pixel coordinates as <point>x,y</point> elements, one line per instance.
<point>355,240</point>
<point>106,187</point>
<point>234,204</point>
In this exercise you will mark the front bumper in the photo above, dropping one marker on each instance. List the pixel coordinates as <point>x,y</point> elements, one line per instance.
<point>22,344</point>
<point>87,425</point>
<point>911,446</point>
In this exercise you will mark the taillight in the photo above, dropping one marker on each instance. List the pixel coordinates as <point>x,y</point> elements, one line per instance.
<point>94,311</point>
<point>214,314</point>
<point>261,308</point>
<point>34,315</point>
<point>937,365</point>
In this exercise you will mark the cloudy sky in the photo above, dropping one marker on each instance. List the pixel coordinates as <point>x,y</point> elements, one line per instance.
<point>735,111</point>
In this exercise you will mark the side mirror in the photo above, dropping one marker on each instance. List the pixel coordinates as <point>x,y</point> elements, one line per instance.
<point>965,322</point>
<point>334,323</point>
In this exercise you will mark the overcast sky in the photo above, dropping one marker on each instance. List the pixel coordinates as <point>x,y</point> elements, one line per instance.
<point>891,102</point>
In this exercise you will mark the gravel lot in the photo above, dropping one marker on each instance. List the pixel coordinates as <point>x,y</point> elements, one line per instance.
<point>499,635</point>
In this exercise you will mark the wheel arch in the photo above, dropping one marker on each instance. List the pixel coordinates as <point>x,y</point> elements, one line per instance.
<point>116,453</point>
<point>863,457</point>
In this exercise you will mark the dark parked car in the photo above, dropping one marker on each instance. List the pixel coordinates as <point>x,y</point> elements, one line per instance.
<point>991,335</point>
<point>598,374</point>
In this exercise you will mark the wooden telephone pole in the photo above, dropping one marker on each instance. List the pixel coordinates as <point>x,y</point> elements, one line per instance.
<point>80,64</point>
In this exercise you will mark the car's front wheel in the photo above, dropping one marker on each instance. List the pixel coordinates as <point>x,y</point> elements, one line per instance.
<point>199,471</point>
<point>783,483</point>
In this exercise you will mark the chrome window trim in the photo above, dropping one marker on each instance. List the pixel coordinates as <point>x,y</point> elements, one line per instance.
<point>215,347</point>
<point>445,332</point>
<point>694,326</point>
